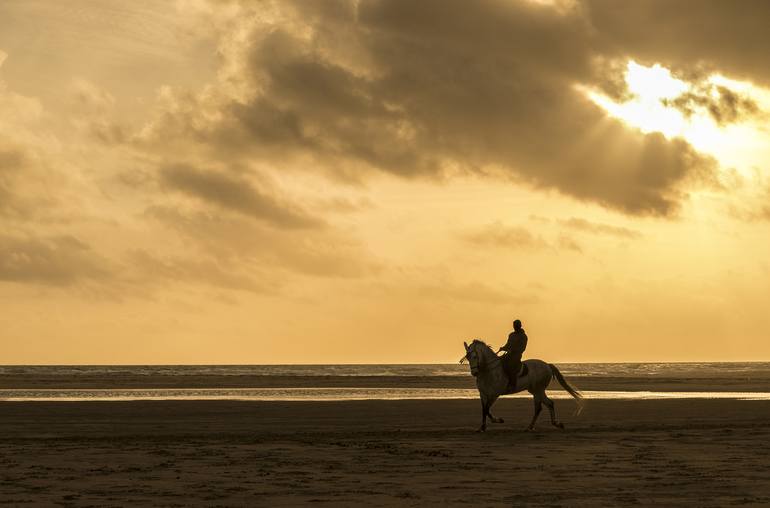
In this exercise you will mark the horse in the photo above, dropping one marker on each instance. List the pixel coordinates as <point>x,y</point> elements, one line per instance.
<point>492,382</point>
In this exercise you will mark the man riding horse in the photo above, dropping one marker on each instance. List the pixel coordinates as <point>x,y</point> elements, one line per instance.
<point>514,348</point>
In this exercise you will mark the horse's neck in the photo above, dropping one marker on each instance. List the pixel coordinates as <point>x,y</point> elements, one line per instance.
<point>492,381</point>
<point>490,360</point>
<point>488,356</point>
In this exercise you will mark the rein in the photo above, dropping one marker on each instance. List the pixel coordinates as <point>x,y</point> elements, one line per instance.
<point>482,366</point>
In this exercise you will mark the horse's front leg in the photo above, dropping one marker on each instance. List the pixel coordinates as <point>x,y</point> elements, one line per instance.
<point>484,411</point>
<point>489,412</point>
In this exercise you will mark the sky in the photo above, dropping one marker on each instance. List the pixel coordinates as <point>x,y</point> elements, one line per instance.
<point>377,181</point>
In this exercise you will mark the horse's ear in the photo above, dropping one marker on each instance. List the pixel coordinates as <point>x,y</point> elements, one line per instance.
<point>466,345</point>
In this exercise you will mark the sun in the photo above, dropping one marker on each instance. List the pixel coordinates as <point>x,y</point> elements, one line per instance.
<point>647,110</point>
<point>653,90</point>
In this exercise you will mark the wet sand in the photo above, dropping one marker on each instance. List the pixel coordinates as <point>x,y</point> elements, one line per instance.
<point>383,453</point>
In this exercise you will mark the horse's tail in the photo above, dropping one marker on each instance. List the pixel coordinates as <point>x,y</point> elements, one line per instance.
<point>570,389</point>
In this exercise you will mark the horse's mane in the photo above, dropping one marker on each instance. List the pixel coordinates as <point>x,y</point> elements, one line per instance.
<point>479,341</point>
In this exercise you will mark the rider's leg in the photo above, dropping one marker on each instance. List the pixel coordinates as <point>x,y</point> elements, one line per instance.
<point>513,373</point>
<point>507,368</point>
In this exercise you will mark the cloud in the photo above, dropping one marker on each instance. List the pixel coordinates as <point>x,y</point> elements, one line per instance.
<point>427,89</point>
<point>11,159</point>
<point>232,192</point>
<point>321,252</point>
<point>517,238</point>
<point>566,242</point>
<point>66,261</point>
<point>15,171</point>
<point>584,225</point>
<point>157,270</point>
<point>498,235</point>
<point>35,179</point>
<point>96,113</point>
<point>53,261</point>
<point>722,104</point>
<point>691,35</point>
<point>35,185</point>
<point>753,197</point>
<point>473,292</point>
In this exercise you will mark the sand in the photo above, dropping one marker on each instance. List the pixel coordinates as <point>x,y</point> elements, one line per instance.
<point>383,453</point>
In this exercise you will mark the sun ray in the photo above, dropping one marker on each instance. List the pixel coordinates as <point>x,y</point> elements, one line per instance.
<point>654,91</point>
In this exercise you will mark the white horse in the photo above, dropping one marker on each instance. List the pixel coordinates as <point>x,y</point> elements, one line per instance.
<point>492,382</point>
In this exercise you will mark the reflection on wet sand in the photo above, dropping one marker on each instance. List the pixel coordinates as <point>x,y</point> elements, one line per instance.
<point>342,394</point>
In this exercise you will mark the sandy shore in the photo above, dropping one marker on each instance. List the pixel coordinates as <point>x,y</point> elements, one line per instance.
<point>383,453</point>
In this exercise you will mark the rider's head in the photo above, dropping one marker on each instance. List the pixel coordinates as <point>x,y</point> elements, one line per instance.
<point>517,325</point>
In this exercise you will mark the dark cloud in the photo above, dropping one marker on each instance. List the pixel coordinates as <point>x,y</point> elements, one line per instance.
<point>722,104</point>
<point>53,261</point>
<point>687,35</point>
<point>234,193</point>
<point>431,87</point>
<point>578,224</point>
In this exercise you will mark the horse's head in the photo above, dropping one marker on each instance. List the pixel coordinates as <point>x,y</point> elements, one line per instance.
<point>473,357</point>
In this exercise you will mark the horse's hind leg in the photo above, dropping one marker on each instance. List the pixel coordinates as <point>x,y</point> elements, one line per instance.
<point>489,412</point>
<point>538,407</point>
<point>552,410</point>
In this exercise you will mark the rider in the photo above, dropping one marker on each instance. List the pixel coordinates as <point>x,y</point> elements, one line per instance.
<point>514,348</point>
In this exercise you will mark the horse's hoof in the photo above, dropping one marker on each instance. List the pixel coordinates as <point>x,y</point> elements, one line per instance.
<point>529,429</point>
<point>481,429</point>
<point>560,425</point>
<point>500,420</point>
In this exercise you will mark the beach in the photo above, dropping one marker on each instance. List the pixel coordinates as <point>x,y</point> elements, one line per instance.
<point>681,452</point>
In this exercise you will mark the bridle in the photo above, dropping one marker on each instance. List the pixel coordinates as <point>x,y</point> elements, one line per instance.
<point>481,365</point>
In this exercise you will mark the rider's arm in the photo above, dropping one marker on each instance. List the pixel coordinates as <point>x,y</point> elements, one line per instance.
<point>507,346</point>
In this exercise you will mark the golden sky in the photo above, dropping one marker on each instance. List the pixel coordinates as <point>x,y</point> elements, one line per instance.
<point>225,181</point>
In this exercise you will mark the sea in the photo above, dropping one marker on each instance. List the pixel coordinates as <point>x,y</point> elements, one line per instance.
<point>306,382</point>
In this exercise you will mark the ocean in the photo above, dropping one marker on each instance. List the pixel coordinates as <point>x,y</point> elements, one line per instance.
<point>738,380</point>
<point>684,369</point>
